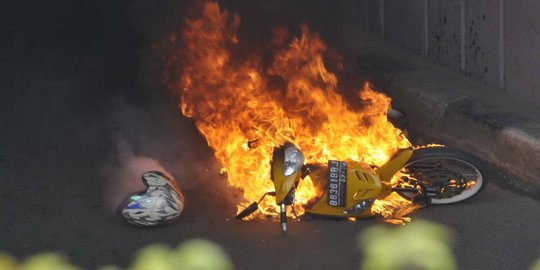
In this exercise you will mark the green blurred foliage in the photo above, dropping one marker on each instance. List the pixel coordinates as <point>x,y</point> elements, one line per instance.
<point>196,254</point>
<point>536,265</point>
<point>47,261</point>
<point>7,262</point>
<point>44,261</point>
<point>200,254</point>
<point>417,245</point>
<point>157,257</point>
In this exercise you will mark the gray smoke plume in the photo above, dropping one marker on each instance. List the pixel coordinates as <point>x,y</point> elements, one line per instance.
<point>149,137</point>
<point>125,178</point>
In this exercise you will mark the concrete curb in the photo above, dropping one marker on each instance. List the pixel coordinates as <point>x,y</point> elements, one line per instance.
<point>444,105</point>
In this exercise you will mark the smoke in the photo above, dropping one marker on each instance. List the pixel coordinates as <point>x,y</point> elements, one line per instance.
<point>153,135</point>
<point>132,154</point>
<point>125,178</point>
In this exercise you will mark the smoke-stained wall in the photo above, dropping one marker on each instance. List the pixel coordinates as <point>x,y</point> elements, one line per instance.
<point>443,32</point>
<point>482,34</point>
<point>522,48</point>
<point>496,42</point>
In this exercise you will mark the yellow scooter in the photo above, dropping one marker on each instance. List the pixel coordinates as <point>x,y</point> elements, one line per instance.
<point>431,175</point>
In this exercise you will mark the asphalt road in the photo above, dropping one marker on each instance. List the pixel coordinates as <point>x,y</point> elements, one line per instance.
<point>79,87</point>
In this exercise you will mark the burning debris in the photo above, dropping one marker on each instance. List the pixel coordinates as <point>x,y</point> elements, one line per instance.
<point>243,116</point>
<point>247,110</point>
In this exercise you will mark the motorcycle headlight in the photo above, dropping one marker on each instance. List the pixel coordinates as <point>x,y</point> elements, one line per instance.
<point>294,159</point>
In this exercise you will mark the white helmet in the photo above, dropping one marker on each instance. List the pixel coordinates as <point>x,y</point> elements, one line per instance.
<point>162,202</point>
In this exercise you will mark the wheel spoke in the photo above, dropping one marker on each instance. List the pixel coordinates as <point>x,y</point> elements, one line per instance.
<point>451,176</point>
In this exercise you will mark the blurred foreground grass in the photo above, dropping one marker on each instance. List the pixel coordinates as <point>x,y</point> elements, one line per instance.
<point>196,254</point>
<point>417,245</point>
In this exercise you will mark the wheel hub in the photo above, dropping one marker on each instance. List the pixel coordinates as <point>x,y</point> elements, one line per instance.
<point>448,183</point>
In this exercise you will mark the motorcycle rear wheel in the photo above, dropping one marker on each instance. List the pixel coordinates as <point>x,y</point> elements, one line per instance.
<point>461,175</point>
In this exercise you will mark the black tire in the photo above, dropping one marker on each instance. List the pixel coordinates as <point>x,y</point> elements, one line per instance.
<point>444,162</point>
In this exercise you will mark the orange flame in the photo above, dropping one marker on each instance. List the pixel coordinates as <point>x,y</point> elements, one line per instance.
<point>243,116</point>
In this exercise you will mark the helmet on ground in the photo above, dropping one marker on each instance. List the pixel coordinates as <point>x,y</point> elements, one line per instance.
<point>162,202</point>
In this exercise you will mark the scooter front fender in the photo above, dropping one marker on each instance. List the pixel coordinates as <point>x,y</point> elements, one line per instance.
<point>396,162</point>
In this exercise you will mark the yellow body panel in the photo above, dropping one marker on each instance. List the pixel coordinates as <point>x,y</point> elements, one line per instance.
<point>362,184</point>
<point>387,170</point>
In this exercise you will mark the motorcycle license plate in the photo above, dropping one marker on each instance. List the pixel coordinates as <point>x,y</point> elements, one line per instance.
<point>337,183</point>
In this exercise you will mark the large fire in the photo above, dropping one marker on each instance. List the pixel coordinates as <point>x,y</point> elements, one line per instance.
<point>244,114</point>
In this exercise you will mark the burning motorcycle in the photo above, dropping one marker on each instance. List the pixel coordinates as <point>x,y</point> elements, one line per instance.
<point>348,189</point>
